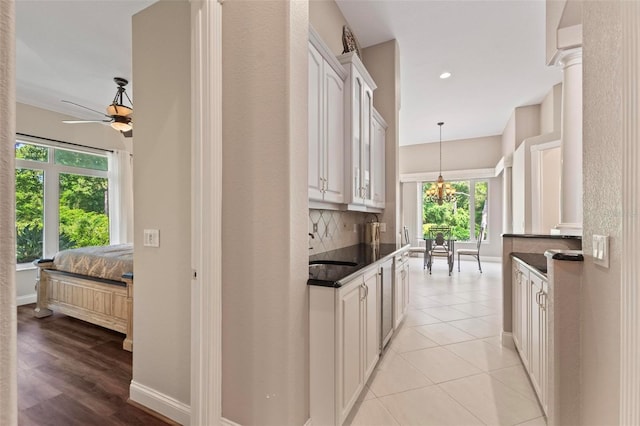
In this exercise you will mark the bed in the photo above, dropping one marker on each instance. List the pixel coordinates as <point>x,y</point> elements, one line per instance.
<point>94,284</point>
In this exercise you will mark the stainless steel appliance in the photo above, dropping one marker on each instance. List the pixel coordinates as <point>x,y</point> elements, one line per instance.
<point>386,302</point>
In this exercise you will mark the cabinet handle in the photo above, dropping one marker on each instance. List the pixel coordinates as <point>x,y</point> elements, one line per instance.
<point>543,297</point>
<point>363,292</point>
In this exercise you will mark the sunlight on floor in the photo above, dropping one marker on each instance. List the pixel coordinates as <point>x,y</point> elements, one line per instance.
<point>445,366</point>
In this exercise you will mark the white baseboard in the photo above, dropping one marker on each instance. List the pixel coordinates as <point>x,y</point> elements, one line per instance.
<point>160,403</point>
<point>506,338</point>
<point>25,300</point>
<point>227,422</point>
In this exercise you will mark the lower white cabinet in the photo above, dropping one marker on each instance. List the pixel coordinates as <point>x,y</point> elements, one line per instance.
<point>344,345</point>
<point>530,325</point>
<point>401,288</point>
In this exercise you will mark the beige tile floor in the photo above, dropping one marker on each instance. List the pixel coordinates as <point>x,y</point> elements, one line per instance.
<point>445,365</point>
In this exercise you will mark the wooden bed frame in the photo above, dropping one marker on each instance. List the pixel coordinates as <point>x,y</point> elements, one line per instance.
<point>105,303</point>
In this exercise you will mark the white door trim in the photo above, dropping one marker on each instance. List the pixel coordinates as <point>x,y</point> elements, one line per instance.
<point>8,321</point>
<point>206,212</point>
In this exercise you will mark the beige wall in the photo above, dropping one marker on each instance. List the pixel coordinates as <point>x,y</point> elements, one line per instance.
<point>602,151</point>
<point>41,122</point>
<point>551,110</point>
<point>509,136</point>
<point>162,173</point>
<point>326,18</point>
<point>550,208</point>
<point>383,63</point>
<point>265,327</point>
<point>455,155</point>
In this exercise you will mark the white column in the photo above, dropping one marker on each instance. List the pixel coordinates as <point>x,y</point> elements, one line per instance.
<point>571,136</point>
<point>8,322</point>
<point>629,294</point>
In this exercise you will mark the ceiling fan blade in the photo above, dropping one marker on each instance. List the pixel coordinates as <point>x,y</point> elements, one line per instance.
<point>85,121</point>
<point>82,106</point>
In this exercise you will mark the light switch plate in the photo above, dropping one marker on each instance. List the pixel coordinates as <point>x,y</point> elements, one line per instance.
<point>152,238</point>
<point>601,250</point>
<point>383,227</point>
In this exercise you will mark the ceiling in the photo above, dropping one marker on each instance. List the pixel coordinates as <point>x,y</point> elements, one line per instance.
<point>495,51</point>
<point>71,50</point>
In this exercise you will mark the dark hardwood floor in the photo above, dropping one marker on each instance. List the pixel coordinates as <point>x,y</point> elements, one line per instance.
<point>73,373</point>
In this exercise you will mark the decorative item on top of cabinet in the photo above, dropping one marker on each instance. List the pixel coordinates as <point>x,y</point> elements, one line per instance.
<point>349,41</point>
<point>359,87</point>
<point>326,124</point>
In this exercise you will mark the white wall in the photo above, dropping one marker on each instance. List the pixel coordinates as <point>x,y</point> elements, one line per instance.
<point>48,124</point>
<point>162,182</point>
<point>602,171</point>
<point>265,327</point>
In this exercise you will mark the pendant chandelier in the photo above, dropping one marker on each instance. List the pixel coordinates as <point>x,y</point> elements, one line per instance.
<point>440,191</point>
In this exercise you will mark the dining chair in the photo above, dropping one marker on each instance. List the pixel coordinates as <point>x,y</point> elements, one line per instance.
<point>439,244</point>
<point>473,252</point>
<point>412,249</point>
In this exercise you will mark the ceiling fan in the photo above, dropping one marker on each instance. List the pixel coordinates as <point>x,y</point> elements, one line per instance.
<point>118,115</point>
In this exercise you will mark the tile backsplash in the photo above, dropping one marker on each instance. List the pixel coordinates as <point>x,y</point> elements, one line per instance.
<point>334,229</point>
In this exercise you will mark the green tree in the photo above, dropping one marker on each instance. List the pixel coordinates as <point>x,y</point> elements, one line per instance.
<point>83,205</point>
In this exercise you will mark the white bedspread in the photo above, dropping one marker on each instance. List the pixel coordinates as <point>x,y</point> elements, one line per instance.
<point>107,262</point>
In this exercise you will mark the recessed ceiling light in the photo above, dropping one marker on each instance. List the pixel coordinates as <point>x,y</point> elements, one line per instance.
<point>445,74</point>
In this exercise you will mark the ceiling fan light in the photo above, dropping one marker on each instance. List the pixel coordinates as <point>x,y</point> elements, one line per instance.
<point>122,126</point>
<point>119,110</point>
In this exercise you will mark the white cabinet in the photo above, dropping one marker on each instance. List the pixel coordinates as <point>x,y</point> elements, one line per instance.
<point>326,128</point>
<point>538,356</point>
<point>344,345</point>
<point>378,160</point>
<point>401,288</point>
<point>530,325</point>
<point>359,87</point>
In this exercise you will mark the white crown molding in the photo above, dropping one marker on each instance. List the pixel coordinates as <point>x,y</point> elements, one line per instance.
<point>160,403</point>
<point>327,54</point>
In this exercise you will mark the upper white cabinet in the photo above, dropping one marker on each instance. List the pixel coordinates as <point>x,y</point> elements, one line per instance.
<point>359,87</point>
<point>379,138</point>
<point>326,124</point>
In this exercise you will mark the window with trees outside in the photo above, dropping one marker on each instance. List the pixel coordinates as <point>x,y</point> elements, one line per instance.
<point>61,200</point>
<point>464,216</point>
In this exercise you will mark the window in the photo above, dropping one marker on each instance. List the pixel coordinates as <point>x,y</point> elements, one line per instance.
<point>61,200</point>
<point>465,216</point>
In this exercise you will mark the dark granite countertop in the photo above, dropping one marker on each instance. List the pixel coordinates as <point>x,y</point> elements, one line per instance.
<point>362,255</point>
<point>553,237</point>
<point>568,255</point>
<point>536,260</point>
